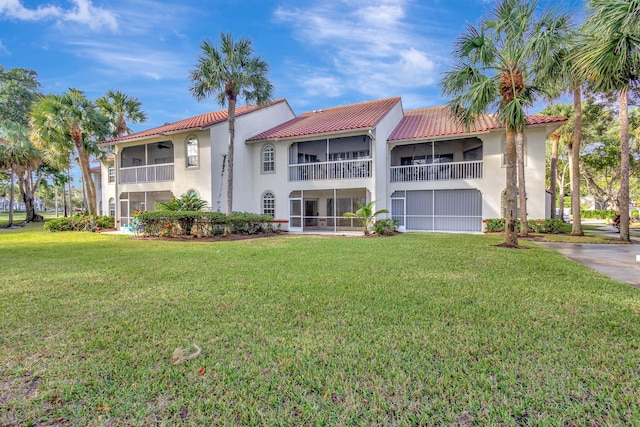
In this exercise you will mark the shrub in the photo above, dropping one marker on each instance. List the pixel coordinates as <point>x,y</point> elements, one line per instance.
<point>545,225</point>
<point>635,214</point>
<point>202,224</point>
<point>79,223</point>
<point>597,214</point>
<point>496,225</point>
<point>384,227</point>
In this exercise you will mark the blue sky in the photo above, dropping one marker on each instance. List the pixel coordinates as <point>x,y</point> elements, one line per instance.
<point>321,53</point>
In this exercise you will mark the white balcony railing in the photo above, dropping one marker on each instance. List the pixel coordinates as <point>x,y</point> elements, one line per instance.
<point>342,169</point>
<point>437,171</point>
<point>152,173</point>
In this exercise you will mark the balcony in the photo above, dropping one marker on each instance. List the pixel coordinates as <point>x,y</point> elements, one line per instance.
<point>342,169</point>
<point>437,171</point>
<point>152,173</point>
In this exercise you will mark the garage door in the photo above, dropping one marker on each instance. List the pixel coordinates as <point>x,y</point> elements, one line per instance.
<point>438,210</point>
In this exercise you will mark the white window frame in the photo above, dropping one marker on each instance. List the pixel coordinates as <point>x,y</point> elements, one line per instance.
<point>111,173</point>
<point>268,159</point>
<point>268,202</point>
<point>190,154</point>
<point>112,207</point>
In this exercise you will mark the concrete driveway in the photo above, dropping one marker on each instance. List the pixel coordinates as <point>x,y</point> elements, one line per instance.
<point>620,262</point>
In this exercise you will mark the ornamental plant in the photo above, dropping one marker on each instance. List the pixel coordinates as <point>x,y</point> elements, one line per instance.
<point>366,215</point>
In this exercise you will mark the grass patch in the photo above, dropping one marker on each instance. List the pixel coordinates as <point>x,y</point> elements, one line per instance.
<point>413,329</point>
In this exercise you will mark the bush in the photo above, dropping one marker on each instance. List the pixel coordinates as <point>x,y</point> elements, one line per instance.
<point>201,224</point>
<point>545,225</point>
<point>635,214</point>
<point>79,223</point>
<point>384,227</point>
<point>496,225</point>
<point>597,214</point>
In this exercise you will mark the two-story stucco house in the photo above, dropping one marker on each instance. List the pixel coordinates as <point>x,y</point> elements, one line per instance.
<point>308,170</point>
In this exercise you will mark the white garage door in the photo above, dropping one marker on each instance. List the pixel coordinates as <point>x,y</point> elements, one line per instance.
<point>438,210</point>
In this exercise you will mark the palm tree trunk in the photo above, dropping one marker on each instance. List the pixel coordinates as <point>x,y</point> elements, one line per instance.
<point>511,220</point>
<point>562,192</point>
<point>231,119</point>
<point>522,188</point>
<point>11,198</point>
<point>623,102</point>
<point>85,168</point>
<point>574,162</point>
<point>553,183</point>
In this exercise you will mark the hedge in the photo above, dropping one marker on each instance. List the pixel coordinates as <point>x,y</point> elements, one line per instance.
<point>495,225</point>
<point>597,214</point>
<point>79,223</point>
<point>201,224</point>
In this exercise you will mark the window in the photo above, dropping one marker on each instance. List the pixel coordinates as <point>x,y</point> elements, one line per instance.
<point>112,207</point>
<point>112,173</point>
<point>192,152</point>
<point>268,159</point>
<point>269,204</point>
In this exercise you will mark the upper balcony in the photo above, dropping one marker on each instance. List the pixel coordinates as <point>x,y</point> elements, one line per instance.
<point>437,161</point>
<point>335,158</point>
<point>147,163</point>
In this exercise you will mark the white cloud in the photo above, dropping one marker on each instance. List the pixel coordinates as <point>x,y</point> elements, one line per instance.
<point>15,10</point>
<point>3,49</point>
<point>371,45</point>
<point>94,17</point>
<point>131,59</point>
<point>83,12</point>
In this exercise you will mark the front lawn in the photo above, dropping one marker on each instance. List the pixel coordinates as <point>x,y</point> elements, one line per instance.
<point>412,329</point>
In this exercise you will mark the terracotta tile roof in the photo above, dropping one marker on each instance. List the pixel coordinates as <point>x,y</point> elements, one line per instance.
<point>351,117</point>
<point>438,121</point>
<point>200,122</point>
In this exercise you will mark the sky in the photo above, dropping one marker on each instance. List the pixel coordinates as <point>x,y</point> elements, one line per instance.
<point>321,54</point>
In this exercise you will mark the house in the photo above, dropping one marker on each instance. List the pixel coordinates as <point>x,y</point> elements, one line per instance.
<point>308,170</point>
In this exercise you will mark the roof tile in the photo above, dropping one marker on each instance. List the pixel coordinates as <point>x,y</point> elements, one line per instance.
<point>438,121</point>
<point>193,123</point>
<point>365,115</point>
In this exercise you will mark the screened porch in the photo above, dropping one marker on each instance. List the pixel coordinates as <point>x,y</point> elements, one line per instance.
<point>323,210</point>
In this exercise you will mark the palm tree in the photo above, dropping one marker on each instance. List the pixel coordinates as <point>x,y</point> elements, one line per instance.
<point>366,215</point>
<point>24,159</point>
<point>61,124</point>
<point>229,72</point>
<point>120,108</point>
<point>562,135</point>
<point>559,74</point>
<point>495,70</point>
<point>608,59</point>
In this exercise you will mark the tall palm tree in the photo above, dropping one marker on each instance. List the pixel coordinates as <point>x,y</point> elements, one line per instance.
<point>24,159</point>
<point>61,124</point>
<point>609,59</point>
<point>120,109</point>
<point>496,69</point>
<point>559,74</point>
<point>562,135</point>
<point>229,72</point>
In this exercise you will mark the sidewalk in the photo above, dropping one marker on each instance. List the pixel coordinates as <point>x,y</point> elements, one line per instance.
<point>617,261</point>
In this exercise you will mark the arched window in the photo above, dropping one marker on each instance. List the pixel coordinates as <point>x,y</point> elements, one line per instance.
<point>192,193</point>
<point>192,152</point>
<point>268,159</point>
<point>112,207</point>
<point>269,204</point>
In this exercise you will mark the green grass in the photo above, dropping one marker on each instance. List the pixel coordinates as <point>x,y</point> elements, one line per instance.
<point>19,217</point>
<point>412,329</point>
